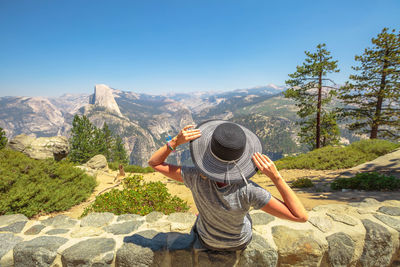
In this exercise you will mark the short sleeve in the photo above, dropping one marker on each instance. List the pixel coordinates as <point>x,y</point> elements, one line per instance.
<point>258,196</point>
<point>189,175</point>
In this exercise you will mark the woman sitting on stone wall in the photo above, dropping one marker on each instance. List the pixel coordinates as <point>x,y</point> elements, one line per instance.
<point>226,155</point>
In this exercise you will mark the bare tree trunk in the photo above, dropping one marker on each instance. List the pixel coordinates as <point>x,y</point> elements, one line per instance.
<point>378,108</point>
<point>318,133</point>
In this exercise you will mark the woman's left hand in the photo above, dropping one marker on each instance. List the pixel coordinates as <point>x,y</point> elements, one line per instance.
<point>186,135</point>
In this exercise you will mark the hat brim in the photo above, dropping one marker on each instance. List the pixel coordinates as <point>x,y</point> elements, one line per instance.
<point>222,171</point>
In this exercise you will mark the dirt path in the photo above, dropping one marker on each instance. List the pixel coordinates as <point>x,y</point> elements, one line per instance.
<point>318,195</point>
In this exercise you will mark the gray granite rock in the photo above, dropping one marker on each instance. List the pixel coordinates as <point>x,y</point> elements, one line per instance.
<point>211,258</point>
<point>134,255</point>
<point>179,241</point>
<point>342,218</point>
<point>180,248</point>
<point>340,249</point>
<point>85,252</point>
<point>14,227</point>
<point>378,245</point>
<point>7,242</point>
<point>389,210</point>
<point>96,219</point>
<point>149,239</point>
<point>322,223</point>
<point>297,247</point>
<point>86,232</point>
<point>153,216</point>
<point>259,253</point>
<point>6,220</point>
<point>129,217</point>
<point>40,251</point>
<point>182,217</point>
<point>57,231</point>
<point>123,228</point>
<point>34,230</point>
<point>366,203</point>
<point>60,221</point>
<point>261,218</point>
<point>389,220</point>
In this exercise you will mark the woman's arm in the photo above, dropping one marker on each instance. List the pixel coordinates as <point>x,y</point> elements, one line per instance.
<point>291,209</point>
<point>156,161</point>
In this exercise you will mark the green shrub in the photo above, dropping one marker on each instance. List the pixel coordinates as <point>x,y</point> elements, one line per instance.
<point>130,168</point>
<point>32,187</point>
<point>332,158</point>
<point>367,181</point>
<point>302,183</point>
<point>3,138</point>
<point>137,197</point>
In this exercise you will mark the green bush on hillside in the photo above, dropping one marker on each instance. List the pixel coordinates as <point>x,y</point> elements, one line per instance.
<point>32,187</point>
<point>367,181</point>
<point>3,138</point>
<point>332,158</point>
<point>130,168</point>
<point>137,197</point>
<point>302,183</point>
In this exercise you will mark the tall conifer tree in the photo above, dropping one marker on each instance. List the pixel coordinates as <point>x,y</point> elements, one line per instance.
<point>309,89</point>
<point>372,97</point>
<point>81,140</point>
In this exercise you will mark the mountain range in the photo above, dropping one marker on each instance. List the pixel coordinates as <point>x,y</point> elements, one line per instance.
<point>144,120</point>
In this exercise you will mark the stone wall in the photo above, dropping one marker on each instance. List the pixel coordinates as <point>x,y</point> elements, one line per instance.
<point>360,234</point>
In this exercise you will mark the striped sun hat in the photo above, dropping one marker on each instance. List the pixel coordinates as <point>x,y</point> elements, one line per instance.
<point>224,150</point>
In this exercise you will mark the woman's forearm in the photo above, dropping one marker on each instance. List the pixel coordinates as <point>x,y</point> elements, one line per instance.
<point>161,154</point>
<point>289,197</point>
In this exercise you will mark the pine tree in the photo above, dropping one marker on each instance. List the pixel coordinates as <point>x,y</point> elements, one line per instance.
<point>108,140</point>
<point>372,96</point>
<point>118,151</point>
<point>3,138</point>
<point>308,88</point>
<point>82,147</point>
<point>330,133</point>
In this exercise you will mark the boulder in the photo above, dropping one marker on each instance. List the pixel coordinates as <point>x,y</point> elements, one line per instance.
<point>98,162</point>
<point>55,147</point>
<point>40,251</point>
<point>297,247</point>
<point>378,245</point>
<point>341,249</point>
<point>90,252</point>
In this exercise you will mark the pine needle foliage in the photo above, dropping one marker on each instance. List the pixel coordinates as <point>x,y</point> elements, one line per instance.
<point>308,87</point>
<point>334,157</point>
<point>137,197</point>
<point>34,187</point>
<point>372,97</point>
<point>87,141</point>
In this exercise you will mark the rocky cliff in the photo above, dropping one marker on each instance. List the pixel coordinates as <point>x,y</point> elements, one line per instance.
<point>103,97</point>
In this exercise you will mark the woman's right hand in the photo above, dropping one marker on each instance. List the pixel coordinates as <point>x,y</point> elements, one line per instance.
<point>186,135</point>
<point>266,165</point>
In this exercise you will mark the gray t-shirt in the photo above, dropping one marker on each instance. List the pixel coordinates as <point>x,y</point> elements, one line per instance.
<point>223,219</point>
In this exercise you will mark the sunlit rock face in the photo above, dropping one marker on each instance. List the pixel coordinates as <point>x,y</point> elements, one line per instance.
<point>103,97</point>
<point>30,115</point>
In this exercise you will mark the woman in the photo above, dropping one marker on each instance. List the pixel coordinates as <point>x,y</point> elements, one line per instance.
<point>226,155</point>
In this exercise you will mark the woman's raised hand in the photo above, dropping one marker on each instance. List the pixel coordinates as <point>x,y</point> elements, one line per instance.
<point>265,165</point>
<point>186,135</point>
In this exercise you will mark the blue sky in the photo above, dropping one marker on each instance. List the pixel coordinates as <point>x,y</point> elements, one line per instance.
<point>51,47</point>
